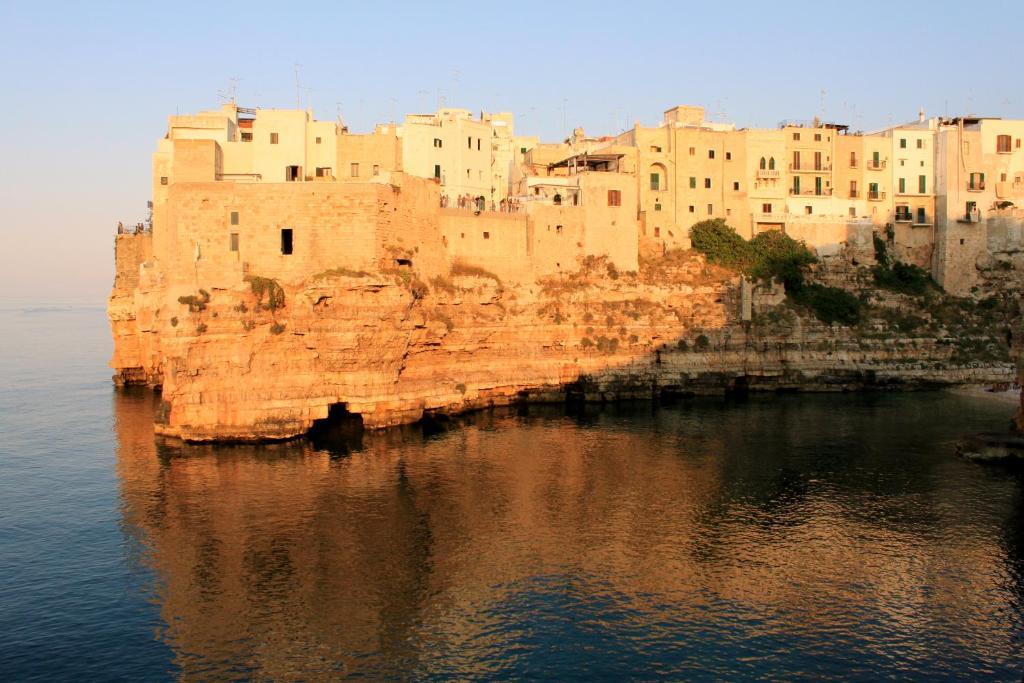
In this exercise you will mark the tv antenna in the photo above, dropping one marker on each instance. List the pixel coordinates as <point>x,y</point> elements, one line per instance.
<point>298,88</point>
<point>232,90</point>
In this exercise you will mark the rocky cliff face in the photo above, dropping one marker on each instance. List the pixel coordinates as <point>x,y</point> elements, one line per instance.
<point>266,360</point>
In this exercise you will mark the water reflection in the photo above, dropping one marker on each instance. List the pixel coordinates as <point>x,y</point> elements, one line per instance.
<point>702,538</point>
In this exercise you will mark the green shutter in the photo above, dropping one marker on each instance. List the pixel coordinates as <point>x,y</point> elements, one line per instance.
<point>922,184</point>
<point>903,185</point>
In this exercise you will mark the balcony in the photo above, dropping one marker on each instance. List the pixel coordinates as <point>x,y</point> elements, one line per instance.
<point>811,192</point>
<point>874,164</point>
<point>976,187</point>
<point>771,173</point>
<point>876,196</point>
<point>1006,189</point>
<point>854,194</point>
<point>904,218</point>
<point>817,168</point>
<point>970,217</point>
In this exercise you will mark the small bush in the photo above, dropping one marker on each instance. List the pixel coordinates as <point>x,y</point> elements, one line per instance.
<point>340,272</point>
<point>683,345</point>
<point>586,342</point>
<point>200,328</point>
<point>903,277</point>
<point>460,268</point>
<point>242,308</point>
<point>418,288</point>
<point>174,321</point>
<point>276,328</point>
<point>721,244</point>
<point>461,388</point>
<point>778,256</point>
<point>196,302</point>
<point>269,288</point>
<point>443,284</point>
<point>606,345</point>
<point>829,304</point>
<point>702,342</point>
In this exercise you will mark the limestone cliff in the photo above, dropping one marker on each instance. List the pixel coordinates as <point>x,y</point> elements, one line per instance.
<point>262,359</point>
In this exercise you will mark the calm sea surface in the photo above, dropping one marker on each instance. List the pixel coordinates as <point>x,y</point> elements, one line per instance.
<point>792,537</point>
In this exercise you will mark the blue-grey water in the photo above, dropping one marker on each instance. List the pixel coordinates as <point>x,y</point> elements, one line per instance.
<point>783,537</point>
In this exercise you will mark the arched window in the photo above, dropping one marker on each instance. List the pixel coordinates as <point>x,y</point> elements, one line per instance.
<point>771,164</point>
<point>763,164</point>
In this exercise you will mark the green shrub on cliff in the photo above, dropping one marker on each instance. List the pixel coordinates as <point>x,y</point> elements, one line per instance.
<point>905,278</point>
<point>721,244</point>
<point>195,302</point>
<point>829,304</point>
<point>776,255</point>
<point>269,288</point>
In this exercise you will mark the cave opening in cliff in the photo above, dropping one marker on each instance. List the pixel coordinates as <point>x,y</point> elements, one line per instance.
<point>341,431</point>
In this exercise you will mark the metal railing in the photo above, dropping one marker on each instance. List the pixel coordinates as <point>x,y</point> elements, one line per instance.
<point>814,168</point>
<point>874,164</point>
<point>876,196</point>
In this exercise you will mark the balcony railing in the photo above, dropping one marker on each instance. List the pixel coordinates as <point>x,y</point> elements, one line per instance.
<point>874,164</point>
<point>976,187</point>
<point>853,194</point>
<point>876,196</point>
<point>815,168</point>
<point>811,192</point>
<point>970,217</point>
<point>904,218</point>
<point>769,173</point>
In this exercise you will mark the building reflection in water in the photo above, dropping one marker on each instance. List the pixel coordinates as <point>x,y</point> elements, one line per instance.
<point>672,540</point>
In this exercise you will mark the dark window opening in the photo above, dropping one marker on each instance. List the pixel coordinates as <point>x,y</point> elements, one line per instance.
<point>234,241</point>
<point>273,138</point>
<point>163,180</point>
<point>246,137</point>
<point>234,218</point>
<point>404,262</point>
<point>291,173</point>
<point>318,141</point>
<point>437,171</point>
<point>487,235</point>
<point>286,241</point>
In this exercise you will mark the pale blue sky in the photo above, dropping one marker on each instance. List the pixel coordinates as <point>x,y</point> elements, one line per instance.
<point>86,88</point>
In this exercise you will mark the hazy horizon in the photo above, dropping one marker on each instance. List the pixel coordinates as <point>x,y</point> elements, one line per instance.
<point>89,88</point>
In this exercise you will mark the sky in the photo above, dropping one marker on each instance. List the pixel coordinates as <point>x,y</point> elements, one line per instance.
<point>86,88</point>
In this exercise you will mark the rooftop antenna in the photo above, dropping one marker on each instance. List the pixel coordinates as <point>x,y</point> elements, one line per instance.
<point>394,110</point>
<point>455,87</point>
<point>422,96</point>
<point>337,107</point>
<point>565,121</point>
<point>308,91</point>
<point>823,95</point>
<point>298,88</point>
<point>232,90</point>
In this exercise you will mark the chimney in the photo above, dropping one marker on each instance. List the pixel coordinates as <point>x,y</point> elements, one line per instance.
<point>920,114</point>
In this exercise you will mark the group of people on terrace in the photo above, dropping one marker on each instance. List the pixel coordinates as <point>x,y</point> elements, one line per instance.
<point>478,204</point>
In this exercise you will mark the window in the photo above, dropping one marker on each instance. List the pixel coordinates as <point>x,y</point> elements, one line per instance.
<point>376,170</point>
<point>808,210</point>
<point>655,149</point>
<point>711,209</point>
<point>853,189</point>
<point>796,185</point>
<point>817,137</point>
<point>655,181</point>
<point>558,229</point>
<point>903,143</point>
<point>657,231</point>
<point>693,182</point>
<point>976,182</point>
<point>707,183</point>
<point>853,212</point>
<point>920,143</point>
<point>234,241</point>
<point>614,198</point>
<point>853,160</point>
<point>487,235</point>
<point>728,156</point>
<point>354,170</point>
<point>903,185</point>
<point>903,213</point>
<point>246,137</point>
<point>292,173</point>
<point>693,150</point>
<point>766,208</point>
<point>234,218</point>
<point>323,172</point>
<point>163,180</point>
<point>763,165</point>
<point>438,143</point>
<point>469,142</point>
<point>771,164</point>
<point>872,190</point>
<point>478,144</point>
<point>1003,144</point>
<point>522,150</point>
<point>273,138</point>
<point>796,136</point>
<point>318,141</point>
<point>286,241</point>
<point>711,154</point>
<point>437,171</point>
<point>736,186</point>
<point>693,209</point>
<point>657,207</point>
<point>922,184</point>
<point>921,218</point>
